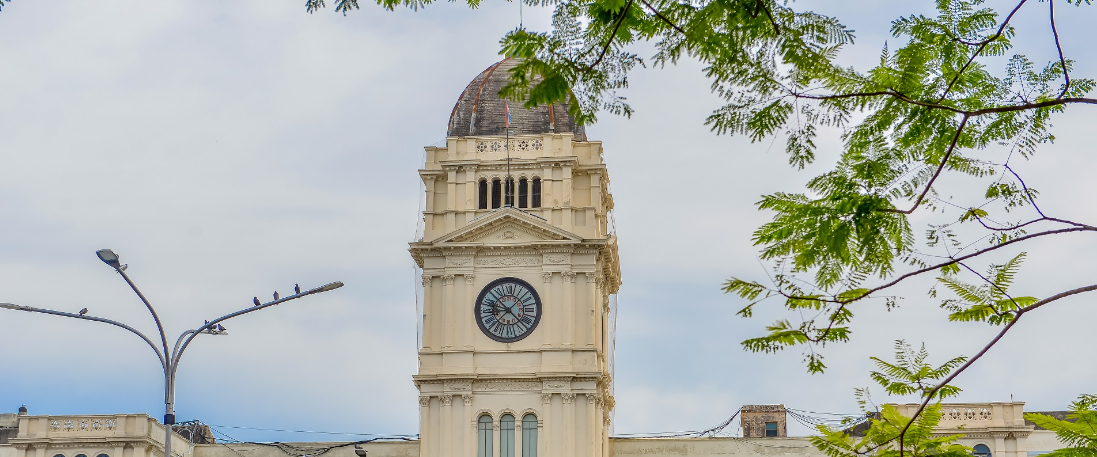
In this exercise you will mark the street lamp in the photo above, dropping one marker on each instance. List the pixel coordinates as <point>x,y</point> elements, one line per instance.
<point>169,360</point>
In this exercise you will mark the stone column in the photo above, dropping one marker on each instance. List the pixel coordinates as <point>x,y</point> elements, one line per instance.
<point>589,320</point>
<point>428,313</point>
<point>472,193</point>
<point>546,192</point>
<point>550,309</point>
<point>451,199</point>
<point>447,311</point>
<point>573,435</point>
<point>549,437</point>
<point>446,417</point>
<point>470,322</point>
<point>571,332</point>
<point>568,218</point>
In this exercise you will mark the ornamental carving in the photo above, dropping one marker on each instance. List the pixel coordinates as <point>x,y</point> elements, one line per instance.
<point>82,424</point>
<point>547,276</point>
<point>447,400</point>
<point>558,259</point>
<point>568,398</point>
<point>569,276</point>
<point>557,384</point>
<point>426,280</point>
<point>591,399</point>
<point>546,398</point>
<point>519,145</point>
<point>509,235</point>
<point>458,261</point>
<point>507,261</point>
<point>468,399</point>
<point>470,279</point>
<point>506,385</point>
<point>447,280</point>
<point>424,401</point>
<point>458,385</point>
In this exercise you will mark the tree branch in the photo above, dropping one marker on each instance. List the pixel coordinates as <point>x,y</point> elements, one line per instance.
<point>1062,61</point>
<point>663,18</point>
<point>978,51</point>
<point>612,35</point>
<point>940,168</point>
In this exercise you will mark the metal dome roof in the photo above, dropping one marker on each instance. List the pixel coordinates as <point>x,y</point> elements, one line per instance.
<point>480,110</point>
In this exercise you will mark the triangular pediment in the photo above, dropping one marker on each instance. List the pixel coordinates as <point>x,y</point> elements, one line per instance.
<point>507,226</point>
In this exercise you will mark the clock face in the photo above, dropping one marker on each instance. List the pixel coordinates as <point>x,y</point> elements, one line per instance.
<point>508,309</point>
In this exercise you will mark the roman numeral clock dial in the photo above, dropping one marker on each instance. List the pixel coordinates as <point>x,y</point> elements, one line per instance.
<point>508,309</point>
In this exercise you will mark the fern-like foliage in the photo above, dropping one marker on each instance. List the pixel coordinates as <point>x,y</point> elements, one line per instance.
<point>910,374</point>
<point>1078,431</point>
<point>989,300</point>
<point>880,438</point>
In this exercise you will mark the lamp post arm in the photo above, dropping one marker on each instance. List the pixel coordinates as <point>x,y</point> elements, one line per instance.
<point>160,355</point>
<point>178,353</point>
<point>159,326</point>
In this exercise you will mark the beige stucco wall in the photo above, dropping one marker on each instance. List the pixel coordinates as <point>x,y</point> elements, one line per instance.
<point>380,449</point>
<point>1041,441</point>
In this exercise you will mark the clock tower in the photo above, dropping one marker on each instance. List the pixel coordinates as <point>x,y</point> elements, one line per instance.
<point>519,269</point>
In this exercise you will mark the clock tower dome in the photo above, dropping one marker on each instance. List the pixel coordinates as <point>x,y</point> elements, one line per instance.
<point>519,269</point>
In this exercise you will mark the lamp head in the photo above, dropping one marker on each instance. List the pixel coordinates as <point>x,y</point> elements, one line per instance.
<point>359,451</point>
<point>108,257</point>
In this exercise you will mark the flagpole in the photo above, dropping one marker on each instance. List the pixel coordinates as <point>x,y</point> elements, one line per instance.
<point>508,184</point>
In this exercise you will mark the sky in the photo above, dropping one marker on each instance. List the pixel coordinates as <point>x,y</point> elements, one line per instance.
<point>226,150</point>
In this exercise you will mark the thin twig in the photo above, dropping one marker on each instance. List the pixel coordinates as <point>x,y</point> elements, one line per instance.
<point>612,35</point>
<point>1027,193</point>
<point>1062,61</point>
<point>996,286</point>
<point>940,168</point>
<point>663,18</point>
<point>978,51</point>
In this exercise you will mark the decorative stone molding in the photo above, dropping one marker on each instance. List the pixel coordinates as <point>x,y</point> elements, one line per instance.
<point>546,398</point>
<point>591,399</point>
<point>568,397</point>
<point>447,399</point>
<point>507,261</point>
<point>569,276</point>
<point>457,385</point>
<point>83,424</point>
<point>557,384</point>
<point>590,277</point>
<point>508,235</point>
<point>468,399</point>
<point>470,279</point>
<point>447,280</point>
<point>424,401</point>
<point>546,276</point>
<point>463,261</point>
<point>558,259</point>
<point>427,279</point>
<point>505,385</point>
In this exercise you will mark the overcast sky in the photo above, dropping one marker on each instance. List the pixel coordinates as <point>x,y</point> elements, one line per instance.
<point>230,149</point>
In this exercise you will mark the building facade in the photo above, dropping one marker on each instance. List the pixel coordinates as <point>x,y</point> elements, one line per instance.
<point>518,267</point>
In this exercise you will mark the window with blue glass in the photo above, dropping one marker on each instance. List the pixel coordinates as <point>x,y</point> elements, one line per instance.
<point>529,436</point>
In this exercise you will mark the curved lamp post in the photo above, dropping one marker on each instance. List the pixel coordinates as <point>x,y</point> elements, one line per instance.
<point>169,360</point>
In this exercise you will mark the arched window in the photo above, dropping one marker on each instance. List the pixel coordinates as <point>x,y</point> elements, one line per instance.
<point>483,194</point>
<point>102,455</point>
<point>981,450</point>
<point>536,197</point>
<point>529,436</point>
<point>523,193</point>
<point>506,436</point>
<point>483,436</point>
<point>495,193</point>
<point>59,455</point>
<point>510,192</point>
